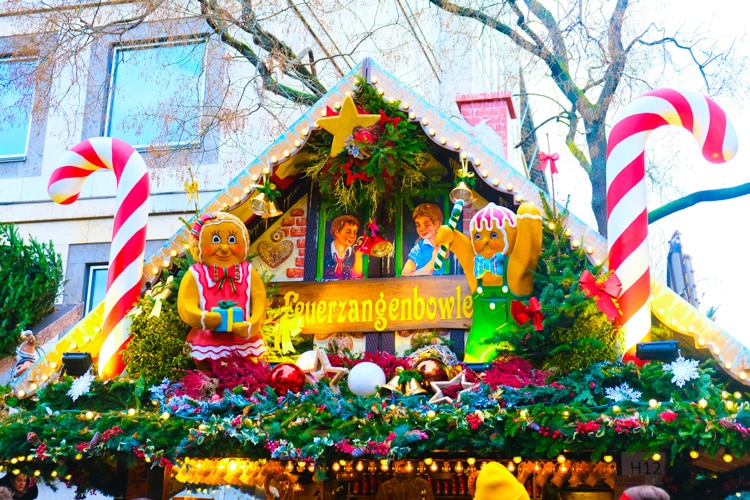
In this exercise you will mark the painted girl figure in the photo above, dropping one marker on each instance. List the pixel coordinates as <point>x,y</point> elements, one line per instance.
<point>222,279</point>
<point>427,219</point>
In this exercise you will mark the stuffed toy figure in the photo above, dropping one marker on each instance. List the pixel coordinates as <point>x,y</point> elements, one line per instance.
<point>221,296</point>
<point>499,260</point>
<point>495,482</point>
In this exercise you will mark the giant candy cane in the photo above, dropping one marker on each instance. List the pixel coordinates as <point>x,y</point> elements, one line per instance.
<point>128,232</point>
<point>627,219</point>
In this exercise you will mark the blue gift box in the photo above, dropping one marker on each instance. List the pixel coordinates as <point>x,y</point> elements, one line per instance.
<point>229,316</point>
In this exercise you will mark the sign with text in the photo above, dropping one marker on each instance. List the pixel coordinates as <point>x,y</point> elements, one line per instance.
<point>640,465</point>
<point>380,304</point>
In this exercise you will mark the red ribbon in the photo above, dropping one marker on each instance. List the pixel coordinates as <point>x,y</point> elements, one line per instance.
<point>386,119</point>
<point>523,313</point>
<point>544,159</point>
<point>373,227</point>
<point>604,291</point>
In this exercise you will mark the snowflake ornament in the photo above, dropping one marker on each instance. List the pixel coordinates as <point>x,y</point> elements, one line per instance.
<point>682,370</point>
<point>81,385</point>
<point>623,392</point>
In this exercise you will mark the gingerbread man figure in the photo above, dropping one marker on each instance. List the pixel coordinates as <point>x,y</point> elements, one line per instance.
<point>499,260</point>
<point>221,296</point>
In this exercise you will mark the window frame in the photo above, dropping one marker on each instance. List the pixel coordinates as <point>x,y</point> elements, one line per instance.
<point>111,95</point>
<point>91,268</point>
<point>168,31</point>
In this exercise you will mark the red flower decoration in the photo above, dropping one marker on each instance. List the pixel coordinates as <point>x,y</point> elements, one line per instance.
<point>523,313</point>
<point>604,291</point>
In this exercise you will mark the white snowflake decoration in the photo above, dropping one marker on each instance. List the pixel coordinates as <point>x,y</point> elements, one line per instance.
<point>81,385</point>
<point>682,370</point>
<point>622,392</point>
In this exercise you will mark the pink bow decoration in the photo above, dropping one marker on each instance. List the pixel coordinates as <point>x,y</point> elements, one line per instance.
<point>604,291</point>
<point>544,159</point>
<point>523,313</point>
<point>372,226</point>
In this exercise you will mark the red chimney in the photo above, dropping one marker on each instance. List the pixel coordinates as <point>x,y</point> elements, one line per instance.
<point>494,107</point>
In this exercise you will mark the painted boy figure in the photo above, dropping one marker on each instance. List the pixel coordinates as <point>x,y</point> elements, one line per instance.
<point>222,291</point>
<point>498,260</point>
<point>427,219</point>
<point>342,259</point>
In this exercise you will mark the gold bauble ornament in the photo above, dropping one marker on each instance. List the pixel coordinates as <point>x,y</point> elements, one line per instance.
<point>431,370</point>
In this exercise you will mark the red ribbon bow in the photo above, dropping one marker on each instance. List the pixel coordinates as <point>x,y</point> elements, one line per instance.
<point>544,159</point>
<point>604,291</point>
<point>523,313</point>
<point>372,226</point>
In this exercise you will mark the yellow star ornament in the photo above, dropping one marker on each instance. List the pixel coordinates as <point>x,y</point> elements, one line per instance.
<point>341,126</point>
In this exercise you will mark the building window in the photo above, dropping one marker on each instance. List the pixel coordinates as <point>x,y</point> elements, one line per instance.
<point>96,285</point>
<point>17,78</point>
<point>156,94</point>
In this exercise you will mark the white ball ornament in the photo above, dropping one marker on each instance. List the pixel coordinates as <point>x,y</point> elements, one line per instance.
<point>306,360</point>
<point>365,378</point>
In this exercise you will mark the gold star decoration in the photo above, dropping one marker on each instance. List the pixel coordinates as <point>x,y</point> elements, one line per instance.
<point>438,387</point>
<point>341,126</point>
<point>322,367</point>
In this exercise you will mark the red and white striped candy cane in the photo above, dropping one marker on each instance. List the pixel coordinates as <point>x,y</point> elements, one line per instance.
<point>627,217</point>
<point>128,232</point>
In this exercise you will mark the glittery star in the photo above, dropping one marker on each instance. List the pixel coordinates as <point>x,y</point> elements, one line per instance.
<point>438,387</point>
<point>322,368</point>
<point>341,126</point>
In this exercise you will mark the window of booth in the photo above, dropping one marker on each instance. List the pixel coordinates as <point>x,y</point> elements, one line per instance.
<point>156,93</point>
<point>96,285</point>
<point>17,77</point>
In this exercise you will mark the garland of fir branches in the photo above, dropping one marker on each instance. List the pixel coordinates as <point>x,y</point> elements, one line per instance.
<point>392,167</point>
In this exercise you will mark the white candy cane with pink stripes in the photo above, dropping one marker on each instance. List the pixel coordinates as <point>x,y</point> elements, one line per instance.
<point>627,216</point>
<point>128,232</point>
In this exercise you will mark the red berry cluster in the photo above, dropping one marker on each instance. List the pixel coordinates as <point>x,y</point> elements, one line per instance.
<point>626,425</point>
<point>547,432</point>
<point>587,427</point>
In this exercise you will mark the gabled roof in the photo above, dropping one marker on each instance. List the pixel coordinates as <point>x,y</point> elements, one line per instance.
<point>692,328</point>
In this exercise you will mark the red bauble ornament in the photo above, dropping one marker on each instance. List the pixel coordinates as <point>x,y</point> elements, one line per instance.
<point>368,135</point>
<point>286,377</point>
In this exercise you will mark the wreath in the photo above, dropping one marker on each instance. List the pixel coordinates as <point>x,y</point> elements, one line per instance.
<point>380,165</point>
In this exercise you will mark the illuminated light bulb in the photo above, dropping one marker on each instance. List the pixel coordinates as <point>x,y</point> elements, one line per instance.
<point>342,462</point>
<point>464,155</point>
<point>477,162</point>
<point>729,405</point>
<point>165,415</point>
<point>459,467</point>
<point>390,100</point>
<point>374,79</point>
<point>286,153</point>
<point>472,460</point>
<point>694,454</point>
<point>652,403</point>
<point>656,457</point>
<point>567,233</point>
<point>432,132</point>
<point>434,467</point>
<point>131,411</point>
<point>236,199</point>
<point>551,226</point>
<point>425,121</point>
<point>360,466</point>
<point>412,115</point>
<point>523,413</point>
<point>155,270</point>
<point>381,92</point>
<point>67,477</point>
<point>267,170</point>
<point>511,467</point>
<point>701,341</point>
<point>337,105</point>
<point>53,365</point>
<point>495,182</point>
<point>743,375</point>
<point>404,106</point>
<point>311,468</point>
<point>225,206</point>
<point>574,244</point>
<point>737,395</point>
<point>73,345</point>
<point>290,466</point>
<point>384,467</point>
<point>297,143</point>
<point>428,461</point>
<point>517,459</point>
<point>89,415</point>
<point>485,173</point>
<point>615,409</point>
<point>305,131</point>
<point>173,253</point>
<point>33,386</point>
<point>78,456</point>
<point>589,250</point>
<point>727,364</point>
<point>560,459</point>
<point>727,457</point>
<point>443,141</point>
<point>348,93</point>
<point>45,377</point>
<point>430,414</point>
<point>14,460</point>
<point>53,473</point>
<point>674,322</point>
<point>456,145</point>
<point>519,198</point>
<point>566,414</point>
<point>702,403</point>
<point>336,467</point>
<point>608,458</point>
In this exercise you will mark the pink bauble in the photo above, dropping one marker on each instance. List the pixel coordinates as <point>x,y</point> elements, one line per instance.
<point>286,377</point>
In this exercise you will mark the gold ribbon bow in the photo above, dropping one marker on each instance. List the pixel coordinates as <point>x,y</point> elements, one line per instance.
<point>191,188</point>
<point>160,292</point>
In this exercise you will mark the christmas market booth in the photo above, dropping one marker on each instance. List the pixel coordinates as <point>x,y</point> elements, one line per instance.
<point>379,306</point>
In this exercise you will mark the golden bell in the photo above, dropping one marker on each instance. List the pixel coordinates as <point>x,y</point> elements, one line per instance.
<point>393,385</point>
<point>273,211</point>
<point>258,204</point>
<point>461,192</point>
<point>413,388</point>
